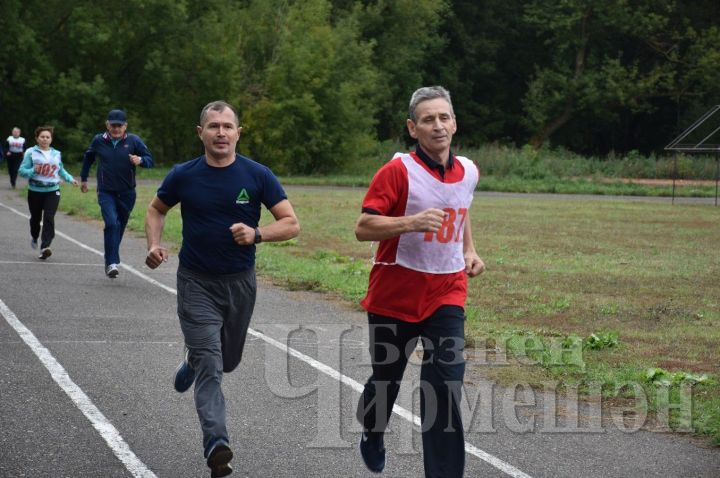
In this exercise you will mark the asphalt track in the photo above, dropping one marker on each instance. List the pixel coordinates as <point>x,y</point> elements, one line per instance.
<point>85,384</point>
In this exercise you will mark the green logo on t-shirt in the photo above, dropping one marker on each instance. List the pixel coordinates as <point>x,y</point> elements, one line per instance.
<point>243,197</point>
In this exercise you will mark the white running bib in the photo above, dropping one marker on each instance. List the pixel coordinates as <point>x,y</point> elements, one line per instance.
<point>438,252</point>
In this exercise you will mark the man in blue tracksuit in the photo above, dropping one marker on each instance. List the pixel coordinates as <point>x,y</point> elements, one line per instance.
<point>119,153</point>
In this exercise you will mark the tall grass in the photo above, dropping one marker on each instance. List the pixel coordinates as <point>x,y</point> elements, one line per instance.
<point>545,163</point>
<point>500,161</point>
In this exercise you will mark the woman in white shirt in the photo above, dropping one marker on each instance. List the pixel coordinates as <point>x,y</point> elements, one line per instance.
<point>14,154</point>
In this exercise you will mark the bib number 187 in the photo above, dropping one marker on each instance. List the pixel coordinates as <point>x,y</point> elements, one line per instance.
<point>447,231</point>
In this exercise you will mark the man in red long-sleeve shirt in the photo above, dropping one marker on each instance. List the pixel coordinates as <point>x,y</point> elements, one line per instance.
<point>417,208</point>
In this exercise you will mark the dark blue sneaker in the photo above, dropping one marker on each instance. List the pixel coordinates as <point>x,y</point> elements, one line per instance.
<point>184,375</point>
<point>372,450</point>
<point>218,459</point>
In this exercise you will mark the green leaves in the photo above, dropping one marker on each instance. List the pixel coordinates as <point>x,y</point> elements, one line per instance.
<point>610,58</point>
<point>320,82</point>
<point>661,376</point>
<point>553,351</point>
<point>601,340</point>
<point>316,112</point>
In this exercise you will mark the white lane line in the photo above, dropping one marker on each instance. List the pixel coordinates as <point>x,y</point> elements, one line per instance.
<point>45,264</point>
<point>100,342</point>
<point>397,409</point>
<point>106,429</point>
<point>97,342</point>
<point>96,252</point>
<point>15,211</point>
<point>355,385</point>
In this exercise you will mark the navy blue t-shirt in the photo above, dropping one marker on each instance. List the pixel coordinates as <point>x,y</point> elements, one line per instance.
<point>211,200</point>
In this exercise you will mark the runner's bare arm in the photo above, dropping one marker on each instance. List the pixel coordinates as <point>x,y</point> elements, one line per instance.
<point>154,224</point>
<point>375,227</point>
<point>474,266</point>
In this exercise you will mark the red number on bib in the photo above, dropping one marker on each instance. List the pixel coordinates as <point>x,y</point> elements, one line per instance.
<point>447,230</point>
<point>46,170</point>
<point>446,233</point>
<point>463,212</point>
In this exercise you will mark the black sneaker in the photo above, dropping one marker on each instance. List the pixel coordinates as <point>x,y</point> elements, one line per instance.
<point>184,375</point>
<point>219,460</point>
<point>45,253</point>
<point>372,450</point>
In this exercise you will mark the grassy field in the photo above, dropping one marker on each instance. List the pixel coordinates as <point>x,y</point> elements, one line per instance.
<point>625,286</point>
<point>600,185</point>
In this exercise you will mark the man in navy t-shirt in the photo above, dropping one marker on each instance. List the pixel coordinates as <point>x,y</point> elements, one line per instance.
<point>221,194</point>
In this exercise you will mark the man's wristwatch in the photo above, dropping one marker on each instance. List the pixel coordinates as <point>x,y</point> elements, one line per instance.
<point>258,236</point>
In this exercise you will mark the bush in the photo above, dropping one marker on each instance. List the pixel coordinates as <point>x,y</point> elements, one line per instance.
<point>547,163</point>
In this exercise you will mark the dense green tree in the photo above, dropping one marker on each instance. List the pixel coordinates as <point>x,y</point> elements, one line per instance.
<point>75,60</point>
<point>26,68</point>
<point>406,40</point>
<point>121,55</point>
<point>317,82</point>
<point>194,60</point>
<point>488,58</point>
<point>316,111</point>
<point>607,60</point>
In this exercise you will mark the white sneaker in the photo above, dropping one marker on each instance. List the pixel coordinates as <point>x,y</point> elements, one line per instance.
<point>112,271</point>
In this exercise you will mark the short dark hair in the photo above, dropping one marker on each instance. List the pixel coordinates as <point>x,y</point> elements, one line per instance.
<point>40,129</point>
<point>428,93</point>
<point>218,106</point>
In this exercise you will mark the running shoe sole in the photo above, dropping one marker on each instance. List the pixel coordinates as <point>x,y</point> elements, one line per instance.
<point>219,461</point>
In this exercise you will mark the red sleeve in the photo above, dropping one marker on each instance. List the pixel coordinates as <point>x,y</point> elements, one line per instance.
<point>388,191</point>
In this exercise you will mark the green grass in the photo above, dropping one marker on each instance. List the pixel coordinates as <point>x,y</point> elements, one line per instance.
<point>546,163</point>
<point>596,186</point>
<point>557,270</point>
<point>514,184</point>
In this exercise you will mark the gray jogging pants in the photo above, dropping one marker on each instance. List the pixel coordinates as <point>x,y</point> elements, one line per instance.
<point>214,313</point>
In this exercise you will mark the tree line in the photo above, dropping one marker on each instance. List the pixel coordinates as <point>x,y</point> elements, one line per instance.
<point>320,82</point>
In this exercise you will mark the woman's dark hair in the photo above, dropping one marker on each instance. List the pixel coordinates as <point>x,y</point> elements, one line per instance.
<point>40,129</point>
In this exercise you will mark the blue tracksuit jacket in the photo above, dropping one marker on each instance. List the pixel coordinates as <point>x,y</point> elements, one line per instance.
<point>115,172</point>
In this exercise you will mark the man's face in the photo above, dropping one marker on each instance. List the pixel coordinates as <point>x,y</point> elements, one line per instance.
<point>116,130</point>
<point>16,132</point>
<point>435,126</point>
<point>220,133</point>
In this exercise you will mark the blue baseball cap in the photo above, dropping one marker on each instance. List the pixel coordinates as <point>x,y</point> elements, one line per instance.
<point>117,117</point>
